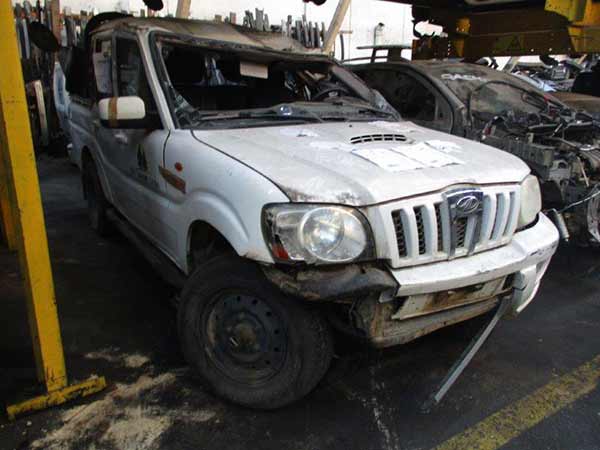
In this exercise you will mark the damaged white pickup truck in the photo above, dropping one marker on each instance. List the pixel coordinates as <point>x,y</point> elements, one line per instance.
<point>287,198</point>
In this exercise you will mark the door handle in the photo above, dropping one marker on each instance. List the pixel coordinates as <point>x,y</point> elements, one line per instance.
<point>121,138</point>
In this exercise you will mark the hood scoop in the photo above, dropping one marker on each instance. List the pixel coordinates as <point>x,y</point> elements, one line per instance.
<point>365,138</point>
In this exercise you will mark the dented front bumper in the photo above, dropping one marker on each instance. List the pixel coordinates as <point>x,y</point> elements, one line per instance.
<point>394,306</point>
<point>526,258</point>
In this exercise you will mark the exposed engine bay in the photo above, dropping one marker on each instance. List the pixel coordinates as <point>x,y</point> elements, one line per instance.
<point>561,145</point>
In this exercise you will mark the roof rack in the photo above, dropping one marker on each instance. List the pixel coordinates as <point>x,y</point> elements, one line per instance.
<point>394,53</point>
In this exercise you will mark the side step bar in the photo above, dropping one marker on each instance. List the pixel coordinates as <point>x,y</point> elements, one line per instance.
<point>163,265</point>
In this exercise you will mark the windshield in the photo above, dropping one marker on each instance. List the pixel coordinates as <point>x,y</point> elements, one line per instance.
<point>496,98</point>
<point>463,78</point>
<point>208,88</point>
<point>488,93</point>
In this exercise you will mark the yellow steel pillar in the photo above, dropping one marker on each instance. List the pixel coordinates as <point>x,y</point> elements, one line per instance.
<point>23,201</point>
<point>7,223</point>
<point>461,33</point>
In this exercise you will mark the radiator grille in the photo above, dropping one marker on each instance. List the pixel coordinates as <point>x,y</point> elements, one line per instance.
<point>420,230</point>
<point>399,233</point>
<point>424,231</point>
<point>438,221</point>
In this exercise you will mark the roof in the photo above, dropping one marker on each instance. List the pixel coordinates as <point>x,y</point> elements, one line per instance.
<point>210,30</point>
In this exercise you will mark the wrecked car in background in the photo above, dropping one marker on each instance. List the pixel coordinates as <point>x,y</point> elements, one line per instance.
<point>560,144</point>
<point>285,197</point>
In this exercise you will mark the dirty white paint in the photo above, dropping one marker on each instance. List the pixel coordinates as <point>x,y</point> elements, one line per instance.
<point>331,145</point>
<point>402,158</point>
<point>426,156</point>
<point>443,146</point>
<point>388,159</point>
<point>396,127</point>
<point>297,132</point>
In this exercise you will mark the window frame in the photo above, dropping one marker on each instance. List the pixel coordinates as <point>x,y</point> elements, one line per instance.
<point>117,82</point>
<point>105,36</point>
<point>427,84</point>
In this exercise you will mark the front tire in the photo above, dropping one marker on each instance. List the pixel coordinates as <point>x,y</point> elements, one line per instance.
<point>251,344</point>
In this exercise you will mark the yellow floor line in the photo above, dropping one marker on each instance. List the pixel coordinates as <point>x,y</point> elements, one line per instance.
<point>511,421</point>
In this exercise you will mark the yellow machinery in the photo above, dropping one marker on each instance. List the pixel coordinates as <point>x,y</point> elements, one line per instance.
<point>478,28</point>
<point>24,229</point>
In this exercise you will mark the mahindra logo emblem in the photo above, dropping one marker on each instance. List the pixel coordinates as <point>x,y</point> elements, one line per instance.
<point>467,204</point>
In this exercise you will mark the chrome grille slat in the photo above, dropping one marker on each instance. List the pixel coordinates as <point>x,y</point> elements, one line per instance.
<point>431,229</point>
<point>489,205</point>
<point>410,232</point>
<point>502,212</point>
<point>425,233</point>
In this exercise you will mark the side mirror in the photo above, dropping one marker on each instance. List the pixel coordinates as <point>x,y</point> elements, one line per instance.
<point>123,112</point>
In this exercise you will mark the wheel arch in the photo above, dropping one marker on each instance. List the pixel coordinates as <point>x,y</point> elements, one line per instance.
<point>203,241</point>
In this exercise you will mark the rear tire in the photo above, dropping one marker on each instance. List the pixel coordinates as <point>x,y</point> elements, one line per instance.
<point>250,343</point>
<point>97,203</point>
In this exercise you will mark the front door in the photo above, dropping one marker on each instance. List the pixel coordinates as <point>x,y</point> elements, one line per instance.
<point>133,156</point>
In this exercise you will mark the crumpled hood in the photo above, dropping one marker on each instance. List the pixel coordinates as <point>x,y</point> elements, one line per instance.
<point>325,163</point>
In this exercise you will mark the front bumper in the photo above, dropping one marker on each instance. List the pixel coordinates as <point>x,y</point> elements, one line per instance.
<point>526,257</point>
<point>394,306</point>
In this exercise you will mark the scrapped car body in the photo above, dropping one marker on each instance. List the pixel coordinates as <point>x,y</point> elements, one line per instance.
<point>285,197</point>
<point>560,144</point>
<point>588,103</point>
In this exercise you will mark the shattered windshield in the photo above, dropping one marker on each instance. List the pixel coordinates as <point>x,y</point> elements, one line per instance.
<point>488,93</point>
<point>497,98</point>
<point>463,78</point>
<point>208,88</point>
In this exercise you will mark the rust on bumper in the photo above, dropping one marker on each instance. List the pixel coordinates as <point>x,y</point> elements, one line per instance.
<point>332,283</point>
<point>408,318</point>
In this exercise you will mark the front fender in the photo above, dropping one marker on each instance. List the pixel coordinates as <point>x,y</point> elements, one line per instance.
<point>221,191</point>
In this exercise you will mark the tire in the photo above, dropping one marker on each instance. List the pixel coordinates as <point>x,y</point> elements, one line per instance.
<point>97,203</point>
<point>251,344</point>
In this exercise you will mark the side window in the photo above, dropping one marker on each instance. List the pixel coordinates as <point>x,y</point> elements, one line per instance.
<point>412,98</point>
<point>102,62</point>
<point>131,76</point>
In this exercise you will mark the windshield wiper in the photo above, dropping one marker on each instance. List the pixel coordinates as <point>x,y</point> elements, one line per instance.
<point>362,108</point>
<point>282,113</point>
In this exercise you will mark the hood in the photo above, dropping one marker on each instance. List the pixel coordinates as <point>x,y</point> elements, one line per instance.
<point>363,163</point>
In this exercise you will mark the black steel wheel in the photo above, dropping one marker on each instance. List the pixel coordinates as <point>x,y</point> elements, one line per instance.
<point>247,340</point>
<point>250,344</point>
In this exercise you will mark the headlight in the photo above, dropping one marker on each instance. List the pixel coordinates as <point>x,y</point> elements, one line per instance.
<point>531,201</point>
<point>317,234</point>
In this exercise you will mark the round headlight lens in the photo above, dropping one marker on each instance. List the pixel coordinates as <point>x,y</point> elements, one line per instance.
<point>531,201</point>
<point>332,234</point>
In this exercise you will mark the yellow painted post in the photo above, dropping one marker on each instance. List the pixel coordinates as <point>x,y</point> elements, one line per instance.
<point>19,173</point>
<point>17,148</point>
<point>7,223</point>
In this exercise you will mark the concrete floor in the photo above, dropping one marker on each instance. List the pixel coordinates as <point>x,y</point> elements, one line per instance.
<point>117,322</point>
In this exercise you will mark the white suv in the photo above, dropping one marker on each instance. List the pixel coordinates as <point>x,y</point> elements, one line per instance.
<point>286,197</point>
